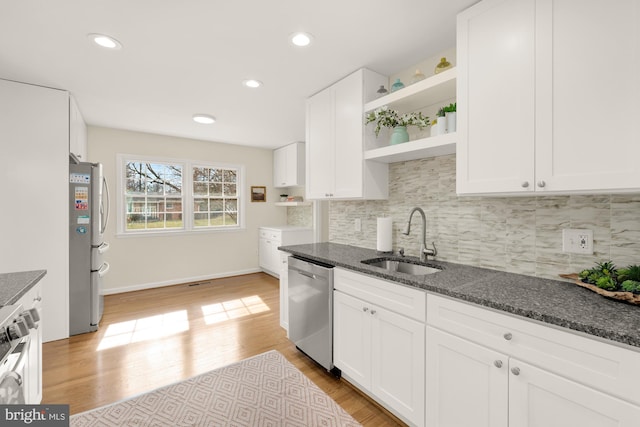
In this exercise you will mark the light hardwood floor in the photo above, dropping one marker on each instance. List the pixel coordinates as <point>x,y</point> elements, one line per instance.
<point>151,338</point>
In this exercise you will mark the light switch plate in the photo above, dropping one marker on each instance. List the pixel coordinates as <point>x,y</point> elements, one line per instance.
<point>357,224</point>
<point>577,241</point>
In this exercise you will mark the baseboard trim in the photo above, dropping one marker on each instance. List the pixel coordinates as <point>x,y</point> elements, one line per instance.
<point>180,281</point>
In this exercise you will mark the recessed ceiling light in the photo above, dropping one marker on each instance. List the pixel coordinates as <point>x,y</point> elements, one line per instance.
<point>252,83</point>
<point>204,119</point>
<point>105,41</point>
<point>301,39</point>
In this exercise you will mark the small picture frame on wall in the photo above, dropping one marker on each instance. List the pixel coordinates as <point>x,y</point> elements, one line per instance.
<point>258,194</point>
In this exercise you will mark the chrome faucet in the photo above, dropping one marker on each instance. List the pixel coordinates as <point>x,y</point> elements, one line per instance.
<point>424,251</point>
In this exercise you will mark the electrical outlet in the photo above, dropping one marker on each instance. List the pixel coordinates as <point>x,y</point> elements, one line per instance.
<point>577,241</point>
<point>357,224</point>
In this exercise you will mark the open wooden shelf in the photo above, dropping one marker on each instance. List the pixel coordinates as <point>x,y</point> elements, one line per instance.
<point>293,203</point>
<point>432,90</point>
<point>440,145</point>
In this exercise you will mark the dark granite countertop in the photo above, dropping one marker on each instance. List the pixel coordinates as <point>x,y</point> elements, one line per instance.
<point>14,285</point>
<point>550,301</point>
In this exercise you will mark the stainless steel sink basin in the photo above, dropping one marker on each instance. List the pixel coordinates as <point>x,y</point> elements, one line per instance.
<point>401,266</point>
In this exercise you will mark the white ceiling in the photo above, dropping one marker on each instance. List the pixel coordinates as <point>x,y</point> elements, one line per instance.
<point>182,57</point>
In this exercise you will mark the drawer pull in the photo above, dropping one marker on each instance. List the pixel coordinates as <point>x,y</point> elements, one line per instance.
<point>373,312</point>
<point>365,309</point>
<point>541,184</point>
<point>508,336</point>
<point>38,298</point>
<point>497,363</point>
<point>515,371</point>
<point>525,184</point>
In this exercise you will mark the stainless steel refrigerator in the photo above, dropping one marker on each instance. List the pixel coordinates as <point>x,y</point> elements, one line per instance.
<point>88,215</point>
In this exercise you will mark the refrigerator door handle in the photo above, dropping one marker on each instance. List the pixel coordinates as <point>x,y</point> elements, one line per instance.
<point>104,269</point>
<point>105,216</point>
<point>104,247</point>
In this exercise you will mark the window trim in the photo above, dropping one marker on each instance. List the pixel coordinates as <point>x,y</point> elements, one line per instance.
<point>187,196</point>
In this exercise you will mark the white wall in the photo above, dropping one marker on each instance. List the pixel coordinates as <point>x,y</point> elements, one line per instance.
<point>147,261</point>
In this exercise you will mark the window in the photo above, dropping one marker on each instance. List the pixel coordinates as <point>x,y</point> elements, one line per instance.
<point>215,197</point>
<point>163,195</point>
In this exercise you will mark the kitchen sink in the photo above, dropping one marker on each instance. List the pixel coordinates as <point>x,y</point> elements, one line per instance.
<point>402,266</point>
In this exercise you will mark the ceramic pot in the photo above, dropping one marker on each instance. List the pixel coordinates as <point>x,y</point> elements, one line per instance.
<point>442,125</point>
<point>451,122</point>
<point>399,135</point>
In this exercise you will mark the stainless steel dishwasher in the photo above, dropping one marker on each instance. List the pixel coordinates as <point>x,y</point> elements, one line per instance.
<point>311,310</point>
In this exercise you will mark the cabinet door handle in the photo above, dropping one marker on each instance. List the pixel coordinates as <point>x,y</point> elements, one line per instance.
<point>515,371</point>
<point>508,336</point>
<point>373,312</point>
<point>525,184</point>
<point>497,363</point>
<point>38,298</point>
<point>541,184</point>
<point>365,309</point>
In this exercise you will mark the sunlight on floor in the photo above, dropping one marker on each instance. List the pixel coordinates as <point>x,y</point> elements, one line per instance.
<point>220,312</point>
<point>145,329</point>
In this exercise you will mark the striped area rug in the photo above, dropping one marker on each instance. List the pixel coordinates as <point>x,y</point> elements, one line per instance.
<point>264,390</point>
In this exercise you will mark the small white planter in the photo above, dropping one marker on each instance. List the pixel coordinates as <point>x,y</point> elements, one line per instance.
<point>451,122</point>
<point>442,125</point>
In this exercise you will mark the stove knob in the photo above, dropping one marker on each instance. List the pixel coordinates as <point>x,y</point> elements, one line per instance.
<point>31,318</point>
<point>18,329</point>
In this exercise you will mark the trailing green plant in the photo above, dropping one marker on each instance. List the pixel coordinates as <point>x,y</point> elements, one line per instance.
<point>386,117</point>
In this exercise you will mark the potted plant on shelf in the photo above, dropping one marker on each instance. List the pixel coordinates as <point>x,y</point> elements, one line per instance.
<point>283,197</point>
<point>441,123</point>
<point>386,117</point>
<point>450,113</point>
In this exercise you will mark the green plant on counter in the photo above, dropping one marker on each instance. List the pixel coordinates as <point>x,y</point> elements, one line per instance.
<point>605,275</point>
<point>451,108</point>
<point>631,286</point>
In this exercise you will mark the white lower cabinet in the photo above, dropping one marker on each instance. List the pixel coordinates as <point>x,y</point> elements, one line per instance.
<point>534,376</point>
<point>273,237</point>
<point>539,398</point>
<point>378,347</point>
<point>33,373</point>
<point>461,374</point>
<point>284,291</point>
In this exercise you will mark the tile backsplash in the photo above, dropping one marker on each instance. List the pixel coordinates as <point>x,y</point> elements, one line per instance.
<point>515,234</point>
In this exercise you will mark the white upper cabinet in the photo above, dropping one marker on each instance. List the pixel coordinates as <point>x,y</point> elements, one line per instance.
<point>547,96</point>
<point>288,165</point>
<point>336,168</point>
<point>77,132</point>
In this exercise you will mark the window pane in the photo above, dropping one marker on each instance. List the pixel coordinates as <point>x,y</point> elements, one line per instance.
<point>216,219</point>
<point>216,205</point>
<point>173,205</point>
<point>135,204</point>
<point>200,188</point>
<point>231,205</point>
<point>200,174</point>
<point>215,175</point>
<point>201,220</point>
<point>229,175</point>
<point>230,219</point>
<point>135,221</point>
<point>173,220</point>
<point>200,205</point>
<point>215,189</point>
<point>229,190</point>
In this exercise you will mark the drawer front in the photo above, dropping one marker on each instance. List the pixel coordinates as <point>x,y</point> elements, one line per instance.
<point>592,362</point>
<point>270,234</point>
<point>392,296</point>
